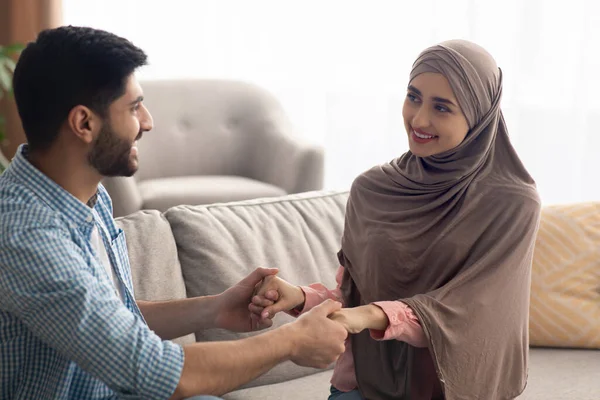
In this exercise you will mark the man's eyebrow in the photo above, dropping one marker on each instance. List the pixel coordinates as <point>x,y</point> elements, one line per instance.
<point>138,100</point>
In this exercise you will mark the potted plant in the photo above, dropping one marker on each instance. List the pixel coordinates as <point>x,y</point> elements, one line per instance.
<point>7,67</point>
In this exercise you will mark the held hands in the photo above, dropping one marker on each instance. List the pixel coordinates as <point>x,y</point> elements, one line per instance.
<point>320,334</point>
<point>274,295</point>
<point>269,295</point>
<point>317,341</point>
<point>232,305</point>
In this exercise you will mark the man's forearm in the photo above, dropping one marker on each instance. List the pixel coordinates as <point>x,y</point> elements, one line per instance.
<point>176,318</point>
<point>217,368</point>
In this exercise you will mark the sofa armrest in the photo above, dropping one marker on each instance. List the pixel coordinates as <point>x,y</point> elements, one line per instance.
<point>297,166</point>
<point>125,195</point>
<point>279,157</point>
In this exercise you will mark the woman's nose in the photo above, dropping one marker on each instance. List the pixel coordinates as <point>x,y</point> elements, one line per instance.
<point>421,118</point>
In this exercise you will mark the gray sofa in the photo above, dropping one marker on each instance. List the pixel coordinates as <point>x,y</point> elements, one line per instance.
<point>202,250</point>
<point>215,141</point>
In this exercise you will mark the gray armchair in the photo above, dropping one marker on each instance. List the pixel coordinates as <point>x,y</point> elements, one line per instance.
<point>215,141</point>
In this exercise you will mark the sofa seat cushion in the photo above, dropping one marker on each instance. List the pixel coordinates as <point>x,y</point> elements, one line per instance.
<point>315,386</point>
<point>565,295</point>
<point>554,374</point>
<point>560,374</point>
<point>162,194</point>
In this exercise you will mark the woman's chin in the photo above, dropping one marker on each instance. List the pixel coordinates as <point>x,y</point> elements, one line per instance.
<point>419,150</point>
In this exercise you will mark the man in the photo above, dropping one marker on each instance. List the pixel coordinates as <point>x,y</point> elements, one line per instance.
<point>70,327</point>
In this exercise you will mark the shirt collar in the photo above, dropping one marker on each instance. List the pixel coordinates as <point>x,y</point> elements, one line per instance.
<point>48,191</point>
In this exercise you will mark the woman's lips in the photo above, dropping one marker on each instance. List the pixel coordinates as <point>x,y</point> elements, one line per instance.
<point>422,137</point>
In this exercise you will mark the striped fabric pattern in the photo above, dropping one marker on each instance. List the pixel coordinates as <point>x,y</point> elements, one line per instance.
<point>565,292</point>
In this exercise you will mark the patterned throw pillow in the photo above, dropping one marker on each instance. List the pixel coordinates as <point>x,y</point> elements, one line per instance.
<point>565,291</point>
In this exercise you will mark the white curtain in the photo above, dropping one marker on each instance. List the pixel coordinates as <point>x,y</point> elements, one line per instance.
<point>340,69</point>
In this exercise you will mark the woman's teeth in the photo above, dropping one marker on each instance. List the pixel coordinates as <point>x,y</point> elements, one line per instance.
<point>420,135</point>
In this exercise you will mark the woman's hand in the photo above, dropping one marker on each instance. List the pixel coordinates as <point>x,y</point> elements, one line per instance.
<point>357,319</point>
<point>275,295</point>
<point>232,305</point>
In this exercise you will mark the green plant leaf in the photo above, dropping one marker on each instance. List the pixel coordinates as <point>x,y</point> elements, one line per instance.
<point>10,64</point>
<point>11,49</point>
<point>5,80</point>
<point>14,48</point>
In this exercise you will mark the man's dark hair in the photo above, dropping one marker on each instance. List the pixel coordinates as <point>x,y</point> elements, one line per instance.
<point>66,67</point>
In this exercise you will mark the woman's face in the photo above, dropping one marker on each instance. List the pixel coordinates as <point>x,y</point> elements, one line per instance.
<point>433,120</point>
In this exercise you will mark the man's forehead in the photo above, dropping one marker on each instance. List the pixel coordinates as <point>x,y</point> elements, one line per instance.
<point>133,87</point>
<point>133,91</point>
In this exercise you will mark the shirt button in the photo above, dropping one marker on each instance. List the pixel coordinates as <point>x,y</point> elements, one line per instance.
<point>89,218</point>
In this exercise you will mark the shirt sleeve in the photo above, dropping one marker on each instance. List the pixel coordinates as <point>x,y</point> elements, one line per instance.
<point>403,324</point>
<point>45,281</point>
<point>317,293</point>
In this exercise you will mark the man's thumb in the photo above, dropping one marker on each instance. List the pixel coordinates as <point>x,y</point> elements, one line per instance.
<point>329,306</point>
<point>260,273</point>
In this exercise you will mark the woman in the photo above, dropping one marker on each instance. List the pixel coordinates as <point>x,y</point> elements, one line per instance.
<point>437,248</point>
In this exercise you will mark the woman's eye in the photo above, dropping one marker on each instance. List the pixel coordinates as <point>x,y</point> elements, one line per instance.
<point>442,108</point>
<point>412,97</point>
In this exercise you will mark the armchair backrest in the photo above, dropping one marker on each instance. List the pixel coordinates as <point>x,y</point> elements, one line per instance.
<point>205,127</point>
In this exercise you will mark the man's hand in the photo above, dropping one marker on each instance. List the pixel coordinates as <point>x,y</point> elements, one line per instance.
<point>317,340</point>
<point>357,319</point>
<point>275,295</point>
<point>232,305</point>
<point>312,340</point>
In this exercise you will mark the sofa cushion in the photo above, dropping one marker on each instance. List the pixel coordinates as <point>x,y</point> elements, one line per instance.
<point>155,268</point>
<point>220,244</point>
<point>162,194</point>
<point>565,291</point>
<point>554,374</point>
<point>561,374</point>
<point>315,386</point>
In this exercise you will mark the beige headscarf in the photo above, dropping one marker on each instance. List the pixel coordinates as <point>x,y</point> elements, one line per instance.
<point>452,236</point>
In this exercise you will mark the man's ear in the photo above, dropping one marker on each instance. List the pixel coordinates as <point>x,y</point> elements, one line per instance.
<point>84,123</point>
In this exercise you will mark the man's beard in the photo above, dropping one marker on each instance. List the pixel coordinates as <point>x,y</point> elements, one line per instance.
<point>111,155</point>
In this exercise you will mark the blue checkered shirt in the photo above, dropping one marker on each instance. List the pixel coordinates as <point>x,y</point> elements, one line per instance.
<point>64,332</point>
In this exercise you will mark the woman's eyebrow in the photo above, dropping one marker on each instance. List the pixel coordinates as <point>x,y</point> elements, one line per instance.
<point>414,89</point>
<point>442,100</point>
<point>437,99</point>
